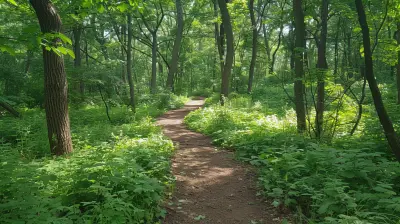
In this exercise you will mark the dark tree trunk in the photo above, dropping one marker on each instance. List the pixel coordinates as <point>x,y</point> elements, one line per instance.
<point>153,81</point>
<point>219,36</point>
<point>298,64</point>
<point>29,55</point>
<point>129,65</point>
<point>266,42</point>
<point>322,67</point>
<point>226,21</point>
<point>272,65</point>
<point>254,46</point>
<point>10,109</point>
<point>123,45</point>
<point>177,46</point>
<point>77,31</point>
<point>386,123</point>
<point>398,64</point>
<point>55,82</point>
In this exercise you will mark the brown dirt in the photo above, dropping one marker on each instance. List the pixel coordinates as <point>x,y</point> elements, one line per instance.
<point>210,184</point>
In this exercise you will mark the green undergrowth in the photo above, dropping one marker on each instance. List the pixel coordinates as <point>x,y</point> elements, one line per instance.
<point>350,180</point>
<point>119,171</point>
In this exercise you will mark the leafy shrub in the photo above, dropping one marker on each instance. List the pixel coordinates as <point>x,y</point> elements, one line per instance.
<point>119,172</point>
<point>354,180</point>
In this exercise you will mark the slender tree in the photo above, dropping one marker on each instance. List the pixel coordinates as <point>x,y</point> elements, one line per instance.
<point>322,67</point>
<point>55,82</point>
<point>299,64</point>
<point>384,119</point>
<point>129,64</point>
<point>398,63</point>
<point>254,46</point>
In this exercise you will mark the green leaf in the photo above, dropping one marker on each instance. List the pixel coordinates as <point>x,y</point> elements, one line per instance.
<point>12,2</point>
<point>200,217</point>
<point>123,7</point>
<point>7,49</point>
<point>64,38</point>
<point>100,8</point>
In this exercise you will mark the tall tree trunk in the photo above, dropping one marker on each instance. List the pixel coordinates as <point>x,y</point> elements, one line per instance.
<point>29,55</point>
<point>55,82</point>
<point>322,67</point>
<point>398,64</point>
<point>272,64</point>
<point>123,45</point>
<point>298,64</point>
<point>266,42</point>
<point>226,21</point>
<point>177,46</point>
<point>386,123</point>
<point>153,82</point>
<point>254,46</point>
<point>129,64</point>
<point>77,31</point>
<point>219,36</point>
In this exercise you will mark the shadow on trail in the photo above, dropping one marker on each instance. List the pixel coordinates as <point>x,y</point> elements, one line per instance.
<point>211,185</point>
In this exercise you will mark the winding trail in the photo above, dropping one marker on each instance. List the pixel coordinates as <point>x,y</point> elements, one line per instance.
<point>211,187</point>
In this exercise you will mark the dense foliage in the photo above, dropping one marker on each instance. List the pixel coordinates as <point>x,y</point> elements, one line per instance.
<point>119,172</point>
<point>349,180</point>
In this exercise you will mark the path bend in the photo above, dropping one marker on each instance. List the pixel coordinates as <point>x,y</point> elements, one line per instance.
<point>210,185</point>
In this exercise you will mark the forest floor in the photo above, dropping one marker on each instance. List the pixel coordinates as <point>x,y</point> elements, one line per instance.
<point>211,186</point>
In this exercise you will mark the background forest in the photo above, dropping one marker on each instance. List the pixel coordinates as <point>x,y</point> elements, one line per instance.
<point>307,91</point>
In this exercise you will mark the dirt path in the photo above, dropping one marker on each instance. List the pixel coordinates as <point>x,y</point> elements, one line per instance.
<point>211,186</point>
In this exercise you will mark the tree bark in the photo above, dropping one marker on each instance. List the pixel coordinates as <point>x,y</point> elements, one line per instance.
<point>177,46</point>
<point>254,46</point>
<point>226,21</point>
<point>298,65</point>
<point>55,82</point>
<point>129,64</point>
<point>322,67</point>
<point>384,119</point>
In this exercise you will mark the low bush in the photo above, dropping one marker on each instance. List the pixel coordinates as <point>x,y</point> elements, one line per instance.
<point>119,171</point>
<point>353,180</point>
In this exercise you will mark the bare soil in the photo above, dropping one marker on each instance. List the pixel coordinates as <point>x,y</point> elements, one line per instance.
<point>211,187</point>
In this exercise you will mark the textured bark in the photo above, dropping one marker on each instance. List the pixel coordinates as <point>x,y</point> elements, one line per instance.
<point>298,65</point>
<point>386,123</point>
<point>254,46</point>
<point>226,21</point>
<point>177,46</point>
<point>322,67</point>
<point>129,65</point>
<point>55,82</point>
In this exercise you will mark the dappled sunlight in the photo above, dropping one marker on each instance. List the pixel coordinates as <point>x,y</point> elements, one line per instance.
<point>208,181</point>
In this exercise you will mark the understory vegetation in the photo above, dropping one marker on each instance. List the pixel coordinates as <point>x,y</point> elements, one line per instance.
<point>118,173</point>
<point>345,179</point>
